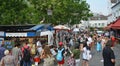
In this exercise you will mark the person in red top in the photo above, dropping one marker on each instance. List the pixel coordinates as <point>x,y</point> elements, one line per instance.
<point>25,63</point>
<point>113,40</point>
<point>25,45</point>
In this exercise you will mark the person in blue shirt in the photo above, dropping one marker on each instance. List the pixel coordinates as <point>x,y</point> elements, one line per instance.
<point>2,49</point>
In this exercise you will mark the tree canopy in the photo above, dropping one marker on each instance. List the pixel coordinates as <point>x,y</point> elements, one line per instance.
<point>19,12</point>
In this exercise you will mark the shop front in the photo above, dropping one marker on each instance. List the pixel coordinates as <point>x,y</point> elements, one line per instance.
<point>11,38</point>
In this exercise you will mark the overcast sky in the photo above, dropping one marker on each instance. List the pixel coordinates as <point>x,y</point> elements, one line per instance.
<point>99,6</point>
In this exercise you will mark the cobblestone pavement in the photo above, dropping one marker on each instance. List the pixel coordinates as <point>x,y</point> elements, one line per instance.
<point>97,57</point>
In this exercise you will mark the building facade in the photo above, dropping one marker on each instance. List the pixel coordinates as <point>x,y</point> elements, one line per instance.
<point>98,21</point>
<point>115,14</point>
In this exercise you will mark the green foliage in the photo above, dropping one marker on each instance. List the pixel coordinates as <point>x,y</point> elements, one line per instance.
<point>91,28</point>
<point>33,11</point>
<point>17,12</point>
<point>76,53</point>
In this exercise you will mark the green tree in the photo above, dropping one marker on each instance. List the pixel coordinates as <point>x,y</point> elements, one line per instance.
<point>18,12</point>
<point>64,11</point>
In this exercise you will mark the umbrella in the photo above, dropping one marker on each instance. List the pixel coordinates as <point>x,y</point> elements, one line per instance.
<point>61,27</point>
<point>76,30</point>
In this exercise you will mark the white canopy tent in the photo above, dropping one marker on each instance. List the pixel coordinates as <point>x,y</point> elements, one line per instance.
<point>61,27</point>
<point>50,36</point>
<point>76,30</point>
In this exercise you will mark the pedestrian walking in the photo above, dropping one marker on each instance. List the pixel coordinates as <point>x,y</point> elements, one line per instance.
<point>98,45</point>
<point>26,56</point>
<point>8,59</point>
<point>103,41</point>
<point>60,54</point>
<point>2,49</point>
<point>76,55</point>
<point>17,53</point>
<point>108,55</point>
<point>86,54</point>
<point>82,40</point>
<point>113,41</point>
<point>47,56</point>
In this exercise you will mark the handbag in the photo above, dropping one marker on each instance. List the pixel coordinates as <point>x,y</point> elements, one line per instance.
<point>36,59</point>
<point>71,61</point>
<point>89,57</point>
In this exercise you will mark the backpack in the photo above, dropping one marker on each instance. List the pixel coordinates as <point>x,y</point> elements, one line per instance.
<point>59,56</point>
<point>79,40</point>
<point>26,54</point>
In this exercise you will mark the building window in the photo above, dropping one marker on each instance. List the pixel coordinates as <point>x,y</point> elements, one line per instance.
<point>114,15</point>
<point>102,24</point>
<point>95,24</point>
<point>99,18</point>
<point>98,24</point>
<point>119,12</point>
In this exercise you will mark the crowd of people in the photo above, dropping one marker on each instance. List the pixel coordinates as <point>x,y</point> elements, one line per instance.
<point>73,46</point>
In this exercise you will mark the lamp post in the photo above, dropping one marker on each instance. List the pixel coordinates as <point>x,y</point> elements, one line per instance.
<point>49,13</point>
<point>75,14</point>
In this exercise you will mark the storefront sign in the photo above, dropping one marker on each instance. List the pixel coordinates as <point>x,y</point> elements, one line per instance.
<point>16,34</point>
<point>31,34</point>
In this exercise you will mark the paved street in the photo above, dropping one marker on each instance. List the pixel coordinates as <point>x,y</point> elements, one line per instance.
<point>97,57</point>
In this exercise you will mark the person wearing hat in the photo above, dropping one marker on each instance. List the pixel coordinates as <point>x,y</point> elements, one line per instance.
<point>61,63</point>
<point>8,59</point>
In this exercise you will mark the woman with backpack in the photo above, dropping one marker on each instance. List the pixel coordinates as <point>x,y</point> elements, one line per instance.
<point>60,54</point>
<point>47,56</point>
<point>26,56</point>
<point>99,46</point>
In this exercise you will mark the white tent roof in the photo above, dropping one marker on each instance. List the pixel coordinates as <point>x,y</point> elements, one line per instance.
<point>61,27</point>
<point>45,33</point>
<point>76,30</point>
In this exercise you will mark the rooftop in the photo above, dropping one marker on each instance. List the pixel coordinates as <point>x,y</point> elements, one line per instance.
<point>97,16</point>
<point>113,1</point>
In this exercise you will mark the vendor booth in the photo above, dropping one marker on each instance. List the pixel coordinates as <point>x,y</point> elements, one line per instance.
<point>49,35</point>
<point>114,27</point>
<point>26,33</point>
<point>44,31</point>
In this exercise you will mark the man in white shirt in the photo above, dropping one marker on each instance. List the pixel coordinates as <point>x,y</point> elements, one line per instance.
<point>38,43</point>
<point>39,46</point>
